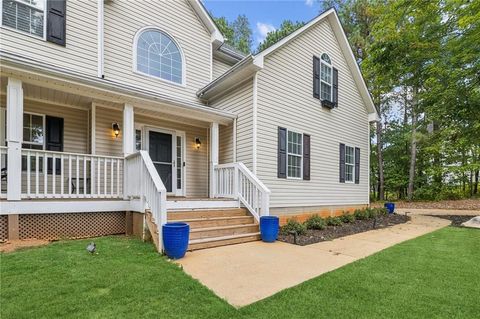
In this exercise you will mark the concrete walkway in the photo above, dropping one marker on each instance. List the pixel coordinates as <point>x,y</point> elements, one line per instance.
<point>245,273</point>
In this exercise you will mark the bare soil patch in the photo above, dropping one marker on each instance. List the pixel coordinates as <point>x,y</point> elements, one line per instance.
<point>457,220</point>
<point>462,204</point>
<point>331,232</point>
<point>12,245</point>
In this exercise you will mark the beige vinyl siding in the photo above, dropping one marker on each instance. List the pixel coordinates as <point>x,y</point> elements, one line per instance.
<point>240,102</point>
<point>219,67</point>
<point>196,161</point>
<point>75,124</point>
<point>122,21</point>
<point>285,99</point>
<point>105,141</point>
<point>80,52</point>
<point>225,155</point>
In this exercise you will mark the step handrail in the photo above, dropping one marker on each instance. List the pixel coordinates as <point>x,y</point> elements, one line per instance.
<point>235,180</point>
<point>142,180</point>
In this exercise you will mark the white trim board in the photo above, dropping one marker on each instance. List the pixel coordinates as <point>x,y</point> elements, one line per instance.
<point>55,207</point>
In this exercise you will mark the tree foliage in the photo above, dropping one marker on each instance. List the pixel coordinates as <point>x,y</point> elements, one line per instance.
<point>285,29</point>
<point>237,34</point>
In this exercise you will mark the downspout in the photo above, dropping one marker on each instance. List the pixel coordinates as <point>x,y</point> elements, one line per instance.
<point>100,38</point>
<point>254,123</point>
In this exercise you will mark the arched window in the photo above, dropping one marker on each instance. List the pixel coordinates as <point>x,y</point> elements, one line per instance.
<point>325,78</point>
<point>158,55</point>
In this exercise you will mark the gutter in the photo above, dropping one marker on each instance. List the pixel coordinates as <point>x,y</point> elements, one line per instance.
<point>29,65</point>
<point>240,65</point>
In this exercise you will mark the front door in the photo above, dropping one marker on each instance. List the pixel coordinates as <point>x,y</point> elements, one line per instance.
<point>160,148</point>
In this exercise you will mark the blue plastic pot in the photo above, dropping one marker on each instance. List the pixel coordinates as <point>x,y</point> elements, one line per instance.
<point>390,207</point>
<point>175,239</point>
<point>269,226</point>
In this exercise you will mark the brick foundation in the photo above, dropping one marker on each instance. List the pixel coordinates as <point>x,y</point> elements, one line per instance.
<point>303,214</point>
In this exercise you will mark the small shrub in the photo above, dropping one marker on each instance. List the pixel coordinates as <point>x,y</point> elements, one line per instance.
<point>370,213</point>
<point>347,217</point>
<point>382,211</point>
<point>315,222</point>
<point>334,221</point>
<point>293,225</point>
<point>360,214</point>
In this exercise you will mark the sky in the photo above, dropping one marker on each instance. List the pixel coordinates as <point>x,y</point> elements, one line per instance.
<point>264,15</point>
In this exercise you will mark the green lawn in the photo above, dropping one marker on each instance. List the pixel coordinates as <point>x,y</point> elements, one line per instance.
<point>434,276</point>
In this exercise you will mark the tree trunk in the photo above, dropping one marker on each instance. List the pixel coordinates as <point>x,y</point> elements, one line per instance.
<point>475,186</point>
<point>413,151</point>
<point>381,181</point>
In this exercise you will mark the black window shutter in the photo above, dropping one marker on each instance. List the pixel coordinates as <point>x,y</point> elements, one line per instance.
<point>342,163</point>
<point>54,141</point>
<point>357,165</point>
<point>316,77</point>
<point>306,157</point>
<point>56,21</point>
<point>335,87</point>
<point>282,153</point>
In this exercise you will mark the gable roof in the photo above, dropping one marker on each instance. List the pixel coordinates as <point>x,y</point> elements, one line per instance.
<point>229,78</point>
<point>217,37</point>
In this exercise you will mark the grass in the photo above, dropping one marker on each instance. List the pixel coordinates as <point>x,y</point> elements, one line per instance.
<point>434,276</point>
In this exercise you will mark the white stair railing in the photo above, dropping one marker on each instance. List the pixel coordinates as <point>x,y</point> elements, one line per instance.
<point>235,180</point>
<point>143,182</point>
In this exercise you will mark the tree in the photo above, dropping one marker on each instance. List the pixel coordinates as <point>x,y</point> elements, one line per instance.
<point>242,34</point>
<point>285,29</point>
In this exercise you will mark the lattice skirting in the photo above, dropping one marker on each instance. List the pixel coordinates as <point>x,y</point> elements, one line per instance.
<point>3,227</point>
<point>70,225</point>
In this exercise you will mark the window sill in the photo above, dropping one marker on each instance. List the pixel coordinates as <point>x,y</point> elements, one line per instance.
<point>328,104</point>
<point>183,84</point>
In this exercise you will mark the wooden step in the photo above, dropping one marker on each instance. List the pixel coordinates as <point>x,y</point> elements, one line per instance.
<point>199,233</point>
<point>207,213</point>
<point>222,241</point>
<point>217,221</point>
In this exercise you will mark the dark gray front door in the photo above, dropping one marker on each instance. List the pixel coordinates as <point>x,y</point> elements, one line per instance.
<point>160,150</point>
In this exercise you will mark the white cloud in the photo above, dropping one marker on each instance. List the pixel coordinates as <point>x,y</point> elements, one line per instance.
<point>309,2</point>
<point>262,30</point>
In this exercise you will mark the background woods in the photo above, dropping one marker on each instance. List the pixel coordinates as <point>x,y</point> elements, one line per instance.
<point>421,62</point>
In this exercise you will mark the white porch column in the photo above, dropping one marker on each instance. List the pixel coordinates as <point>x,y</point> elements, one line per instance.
<point>128,130</point>
<point>14,138</point>
<point>214,145</point>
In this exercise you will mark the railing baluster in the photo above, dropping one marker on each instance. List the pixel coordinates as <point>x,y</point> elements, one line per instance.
<point>118,177</point>
<point>98,177</point>
<point>29,173</point>
<point>70,175</point>
<point>78,175</point>
<point>45,175</point>
<point>111,177</point>
<point>105,177</point>
<point>85,176</point>
<point>54,177</point>
<point>37,164</point>
<point>62,176</point>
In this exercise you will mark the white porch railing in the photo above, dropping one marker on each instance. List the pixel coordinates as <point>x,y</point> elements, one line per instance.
<point>144,183</point>
<point>3,167</point>
<point>236,181</point>
<point>49,174</point>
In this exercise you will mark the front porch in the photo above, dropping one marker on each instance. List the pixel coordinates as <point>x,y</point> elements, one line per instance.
<point>64,152</point>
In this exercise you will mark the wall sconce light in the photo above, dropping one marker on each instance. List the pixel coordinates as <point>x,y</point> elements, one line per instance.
<point>116,129</point>
<point>198,143</point>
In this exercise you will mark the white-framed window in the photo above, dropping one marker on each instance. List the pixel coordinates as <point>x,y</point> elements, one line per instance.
<point>158,55</point>
<point>349,164</point>
<point>26,16</point>
<point>33,131</point>
<point>294,154</point>
<point>326,77</point>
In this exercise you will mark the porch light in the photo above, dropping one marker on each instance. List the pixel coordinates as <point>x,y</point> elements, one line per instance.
<point>198,143</point>
<point>116,129</point>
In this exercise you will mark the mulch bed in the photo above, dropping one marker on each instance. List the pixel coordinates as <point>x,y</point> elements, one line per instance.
<point>456,220</point>
<point>468,204</point>
<point>331,232</point>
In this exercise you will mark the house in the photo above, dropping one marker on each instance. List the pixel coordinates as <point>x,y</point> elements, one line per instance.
<point>117,118</point>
